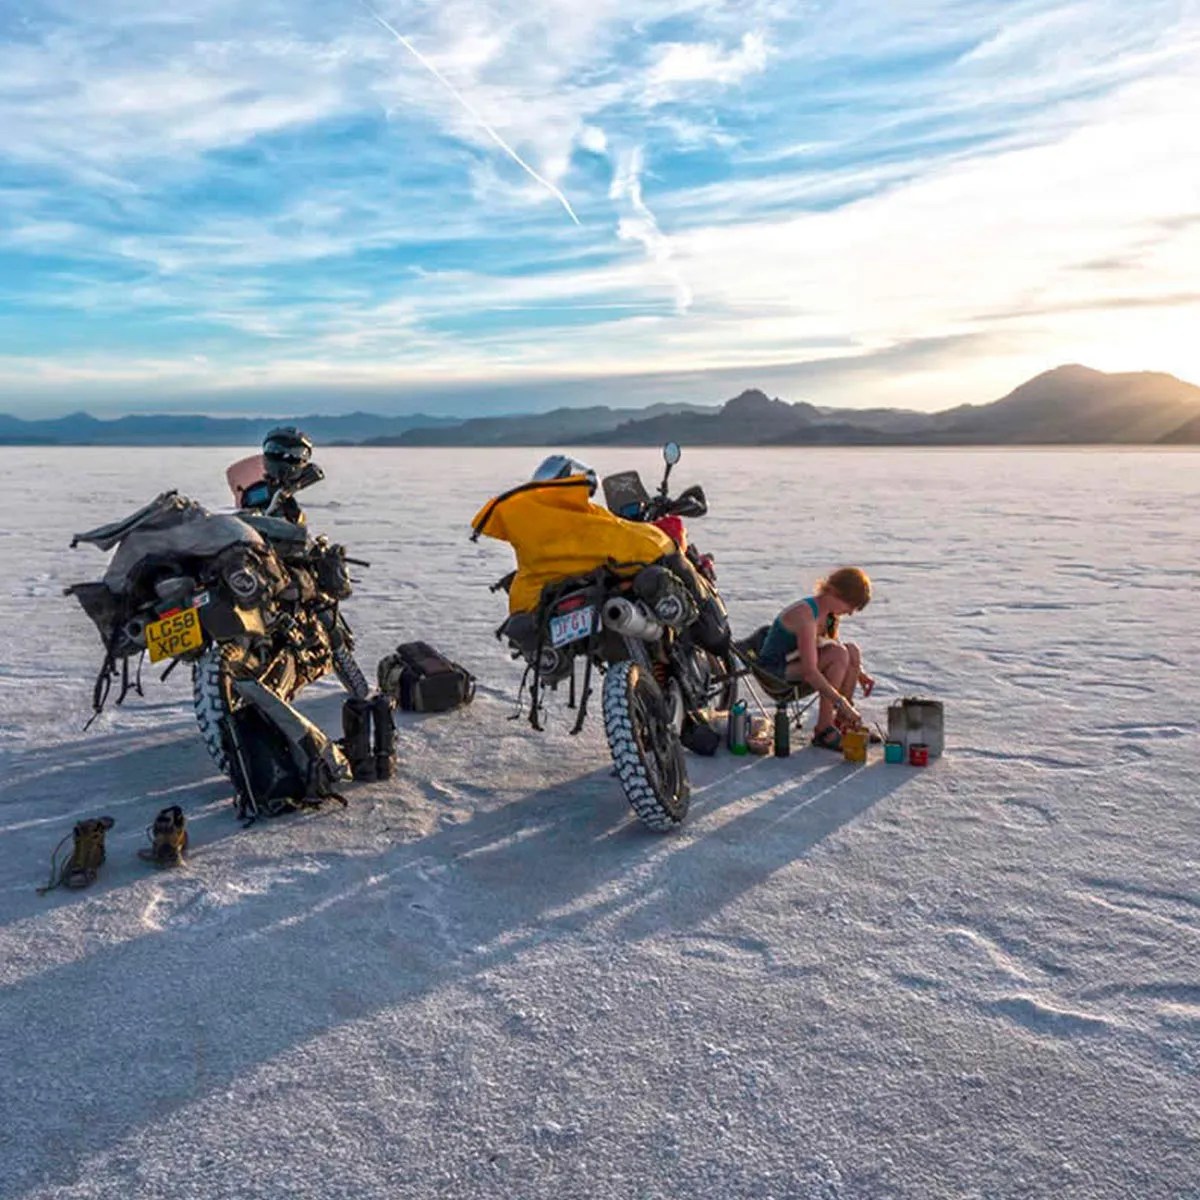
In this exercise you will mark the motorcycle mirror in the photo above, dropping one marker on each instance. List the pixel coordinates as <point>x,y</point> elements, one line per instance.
<point>672,453</point>
<point>691,503</point>
<point>310,475</point>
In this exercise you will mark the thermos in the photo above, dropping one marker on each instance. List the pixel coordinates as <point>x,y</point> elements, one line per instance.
<point>783,744</point>
<point>737,728</point>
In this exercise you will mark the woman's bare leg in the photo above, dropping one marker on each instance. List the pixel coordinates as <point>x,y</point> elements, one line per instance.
<point>833,662</point>
<point>853,667</point>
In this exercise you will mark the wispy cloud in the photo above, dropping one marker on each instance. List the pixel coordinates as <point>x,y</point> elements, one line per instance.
<point>641,227</point>
<point>300,192</point>
<point>474,112</point>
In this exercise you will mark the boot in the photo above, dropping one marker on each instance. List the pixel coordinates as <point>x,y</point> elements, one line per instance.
<point>384,727</point>
<point>168,839</point>
<point>356,744</point>
<point>86,857</point>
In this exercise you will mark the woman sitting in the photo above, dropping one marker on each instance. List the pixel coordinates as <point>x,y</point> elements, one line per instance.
<point>802,645</point>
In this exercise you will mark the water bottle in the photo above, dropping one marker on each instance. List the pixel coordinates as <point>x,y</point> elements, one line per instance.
<point>783,737</point>
<point>737,728</point>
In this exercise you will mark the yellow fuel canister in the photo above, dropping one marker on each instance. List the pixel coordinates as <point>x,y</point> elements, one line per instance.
<point>854,745</point>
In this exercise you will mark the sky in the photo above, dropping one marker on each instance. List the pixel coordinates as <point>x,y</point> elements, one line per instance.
<point>472,206</point>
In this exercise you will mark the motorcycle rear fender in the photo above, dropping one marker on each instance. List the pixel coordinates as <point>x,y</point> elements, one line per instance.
<point>225,622</point>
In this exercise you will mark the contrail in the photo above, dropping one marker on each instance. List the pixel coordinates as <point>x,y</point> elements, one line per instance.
<point>475,113</point>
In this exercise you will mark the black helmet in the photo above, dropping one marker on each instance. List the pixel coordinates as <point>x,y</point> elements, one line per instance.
<point>286,452</point>
<point>563,466</point>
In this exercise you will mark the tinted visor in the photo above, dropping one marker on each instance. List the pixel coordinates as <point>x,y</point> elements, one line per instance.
<point>287,451</point>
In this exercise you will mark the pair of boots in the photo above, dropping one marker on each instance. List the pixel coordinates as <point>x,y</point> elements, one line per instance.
<point>369,741</point>
<point>168,845</point>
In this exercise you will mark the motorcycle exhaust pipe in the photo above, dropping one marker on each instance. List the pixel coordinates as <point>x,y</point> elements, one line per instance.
<point>629,620</point>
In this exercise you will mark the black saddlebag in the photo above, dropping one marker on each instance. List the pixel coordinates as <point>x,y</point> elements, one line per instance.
<point>421,679</point>
<point>278,759</point>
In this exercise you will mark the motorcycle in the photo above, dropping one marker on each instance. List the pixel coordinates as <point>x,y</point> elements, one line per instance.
<point>643,617</point>
<point>626,495</point>
<point>242,596</point>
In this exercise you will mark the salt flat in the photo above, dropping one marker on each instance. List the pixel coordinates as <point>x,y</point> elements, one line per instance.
<point>486,979</point>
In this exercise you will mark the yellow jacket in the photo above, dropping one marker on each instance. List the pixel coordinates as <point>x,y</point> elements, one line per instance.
<point>557,532</point>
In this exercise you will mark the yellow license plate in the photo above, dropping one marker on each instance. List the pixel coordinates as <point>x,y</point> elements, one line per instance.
<point>174,635</point>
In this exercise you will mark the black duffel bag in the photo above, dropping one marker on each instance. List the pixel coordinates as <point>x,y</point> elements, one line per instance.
<point>421,679</point>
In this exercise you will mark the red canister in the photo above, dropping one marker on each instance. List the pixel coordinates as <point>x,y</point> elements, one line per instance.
<point>918,755</point>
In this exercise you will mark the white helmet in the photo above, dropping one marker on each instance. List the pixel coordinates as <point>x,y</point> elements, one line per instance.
<point>563,466</point>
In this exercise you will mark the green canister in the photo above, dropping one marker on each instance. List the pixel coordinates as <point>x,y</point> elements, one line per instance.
<point>737,728</point>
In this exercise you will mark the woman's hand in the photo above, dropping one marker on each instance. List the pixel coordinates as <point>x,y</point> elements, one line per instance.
<point>866,682</point>
<point>850,714</point>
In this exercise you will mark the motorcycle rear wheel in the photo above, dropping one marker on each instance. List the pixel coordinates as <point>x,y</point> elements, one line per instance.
<point>213,700</point>
<point>645,747</point>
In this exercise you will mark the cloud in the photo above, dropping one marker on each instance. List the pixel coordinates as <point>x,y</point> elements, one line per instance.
<point>689,63</point>
<point>282,191</point>
<point>640,226</point>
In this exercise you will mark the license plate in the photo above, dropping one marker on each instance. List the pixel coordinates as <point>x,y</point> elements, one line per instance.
<point>174,635</point>
<point>571,626</point>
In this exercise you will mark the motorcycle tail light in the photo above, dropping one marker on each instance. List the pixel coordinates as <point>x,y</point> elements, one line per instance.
<point>571,603</point>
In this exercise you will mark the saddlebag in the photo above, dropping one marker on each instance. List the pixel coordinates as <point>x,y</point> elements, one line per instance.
<point>278,759</point>
<point>699,736</point>
<point>420,679</point>
<point>106,609</point>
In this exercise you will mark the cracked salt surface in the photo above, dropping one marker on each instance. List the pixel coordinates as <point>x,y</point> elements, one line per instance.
<point>485,979</point>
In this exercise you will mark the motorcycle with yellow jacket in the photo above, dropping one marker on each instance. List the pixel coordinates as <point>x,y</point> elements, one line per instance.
<point>618,597</point>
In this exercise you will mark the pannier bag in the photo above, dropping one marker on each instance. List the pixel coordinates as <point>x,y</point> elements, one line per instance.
<point>278,759</point>
<point>420,679</point>
<point>699,736</point>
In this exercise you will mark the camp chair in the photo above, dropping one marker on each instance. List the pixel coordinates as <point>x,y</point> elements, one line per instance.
<point>793,694</point>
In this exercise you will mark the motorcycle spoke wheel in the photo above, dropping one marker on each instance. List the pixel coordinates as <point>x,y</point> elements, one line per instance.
<point>645,748</point>
<point>213,700</point>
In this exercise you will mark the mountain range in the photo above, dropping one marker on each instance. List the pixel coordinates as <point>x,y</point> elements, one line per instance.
<point>1069,405</point>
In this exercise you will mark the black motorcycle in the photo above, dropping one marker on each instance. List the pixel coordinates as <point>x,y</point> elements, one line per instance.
<point>248,595</point>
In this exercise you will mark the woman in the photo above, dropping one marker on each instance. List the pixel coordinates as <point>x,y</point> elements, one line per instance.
<point>802,644</point>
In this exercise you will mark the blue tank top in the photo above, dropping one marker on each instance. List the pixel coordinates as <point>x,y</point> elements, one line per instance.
<point>781,642</point>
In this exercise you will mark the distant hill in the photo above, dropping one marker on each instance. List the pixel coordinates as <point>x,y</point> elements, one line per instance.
<point>1188,434</point>
<point>559,426</point>
<point>1074,404</point>
<point>82,429</point>
<point>745,420</point>
<point>1069,405</point>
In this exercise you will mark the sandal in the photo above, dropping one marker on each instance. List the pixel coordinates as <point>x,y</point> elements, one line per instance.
<point>829,738</point>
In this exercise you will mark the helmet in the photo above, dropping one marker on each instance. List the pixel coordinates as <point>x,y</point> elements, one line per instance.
<point>286,452</point>
<point>563,466</point>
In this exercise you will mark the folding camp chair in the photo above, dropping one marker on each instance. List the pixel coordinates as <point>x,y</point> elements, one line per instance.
<point>794,695</point>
